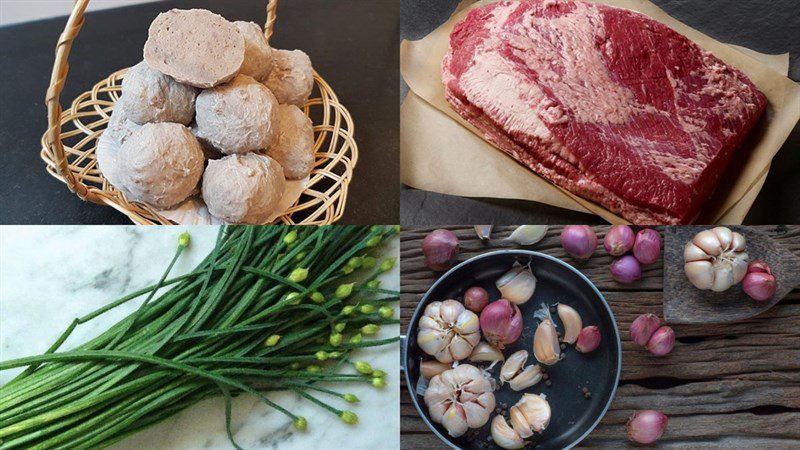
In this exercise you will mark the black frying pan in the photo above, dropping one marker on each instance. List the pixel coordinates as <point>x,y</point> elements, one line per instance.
<point>573,415</point>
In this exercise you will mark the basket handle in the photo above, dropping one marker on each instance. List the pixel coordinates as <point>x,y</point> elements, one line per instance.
<point>59,76</point>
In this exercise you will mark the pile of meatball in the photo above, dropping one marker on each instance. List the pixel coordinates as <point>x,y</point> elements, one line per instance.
<point>214,110</point>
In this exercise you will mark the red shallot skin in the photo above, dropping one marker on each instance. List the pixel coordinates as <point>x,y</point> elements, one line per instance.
<point>588,339</point>
<point>643,327</point>
<point>619,240</point>
<point>760,286</point>
<point>759,266</point>
<point>476,298</point>
<point>646,426</point>
<point>647,247</point>
<point>440,248</point>
<point>626,269</point>
<point>579,241</point>
<point>662,342</point>
<point>501,323</point>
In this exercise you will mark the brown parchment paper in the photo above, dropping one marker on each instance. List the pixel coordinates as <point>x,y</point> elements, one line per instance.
<point>442,152</point>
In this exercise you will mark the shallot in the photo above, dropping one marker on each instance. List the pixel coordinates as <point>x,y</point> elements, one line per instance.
<point>588,339</point>
<point>647,247</point>
<point>647,426</point>
<point>476,298</point>
<point>760,286</point>
<point>618,240</point>
<point>643,327</point>
<point>626,269</point>
<point>579,241</point>
<point>440,248</point>
<point>662,342</point>
<point>501,323</point>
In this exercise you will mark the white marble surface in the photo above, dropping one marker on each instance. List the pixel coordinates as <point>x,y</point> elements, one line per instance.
<point>50,275</point>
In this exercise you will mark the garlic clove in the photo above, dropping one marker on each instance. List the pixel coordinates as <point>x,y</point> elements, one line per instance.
<point>725,237</point>
<point>700,274</point>
<point>450,310</point>
<point>429,323</point>
<point>708,241</point>
<point>693,253</point>
<point>483,352</point>
<point>528,234</point>
<point>740,264</point>
<point>513,365</point>
<point>738,242</point>
<point>478,410</point>
<point>527,378</point>
<point>572,322</point>
<point>505,436</point>
<point>519,423</point>
<point>433,309</point>
<point>455,421</point>
<point>432,341</point>
<point>545,343</point>
<point>467,322</point>
<point>517,285</point>
<point>536,410</point>
<point>460,348</point>
<point>430,369</point>
<point>723,278</point>
<point>484,232</point>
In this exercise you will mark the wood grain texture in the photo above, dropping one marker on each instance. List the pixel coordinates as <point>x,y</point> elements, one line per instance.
<point>725,386</point>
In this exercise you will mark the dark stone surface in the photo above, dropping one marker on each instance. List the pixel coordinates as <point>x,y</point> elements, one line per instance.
<point>352,43</point>
<point>768,26</point>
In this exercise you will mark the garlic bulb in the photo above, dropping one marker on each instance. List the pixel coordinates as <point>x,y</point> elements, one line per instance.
<point>715,259</point>
<point>546,348</point>
<point>505,436</point>
<point>530,415</point>
<point>572,322</point>
<point>448,331</point>
<point>483,352</point>
<point>517,285</point>
<point>460,399</point>
<point>517,377</point>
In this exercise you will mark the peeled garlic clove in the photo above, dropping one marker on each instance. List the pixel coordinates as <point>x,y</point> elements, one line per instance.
<point>572,322</point>
<point>455,421</point>
<point>700,274</point>
<point>725,237</point>
<point>694,253</point>
<point>483,352</point>
<point>528,234</point>
<point>517,285</point>
<point>450,311</point>
<point>430,369</point>
<point>708,241</point>
<point>527,378</point>
<point>545,343</point>
<point>513,365</point>
<point>505,436</point>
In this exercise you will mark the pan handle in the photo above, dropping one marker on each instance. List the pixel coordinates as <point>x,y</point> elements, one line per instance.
<point>403,352</point>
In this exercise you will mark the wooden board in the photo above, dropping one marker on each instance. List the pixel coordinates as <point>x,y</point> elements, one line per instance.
<point>684,303</point>
<point>733,386</point>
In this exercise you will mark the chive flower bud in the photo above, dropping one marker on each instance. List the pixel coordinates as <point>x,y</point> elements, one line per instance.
<point>354,262</point>
<point>375,228</point>
<point>272,341</point>
<point>183,239</point>
<point>321,355</point>
<point>339,327</point>
<point>373,241</point>
<point>335,339</point>
<point>314,369</point>
<point>344,290</point>
<point>300,423</point>
<point>378,382</point>
<point>367,309</point>
<point>294,298</point>
<point>299,257</point>
<point>378,373</point>
<point>397,228</point>
<point>349,417</point>
<point>290,237</point>
<point>347,270</point>
<point>373,284</point>
<point>387,264</point>
<point>386,312</point>
<point>350,398</point>
<point>295,366</point>
<point>363,367</point>
<point>368,262</point>
<point>298,275</point>
<point>355,339</point>
<point>334,355</point>
<point>317,297</point>
<point>370,329</point>
<point>347,310</point>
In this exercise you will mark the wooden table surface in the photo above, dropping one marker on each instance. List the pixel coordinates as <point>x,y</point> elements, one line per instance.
<point>723,386</point>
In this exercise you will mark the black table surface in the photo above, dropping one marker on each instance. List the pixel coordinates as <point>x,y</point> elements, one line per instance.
<point>768,26</point>
<point>352,43</point>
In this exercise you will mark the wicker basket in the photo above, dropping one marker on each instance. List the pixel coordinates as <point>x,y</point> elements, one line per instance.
<point>68,145</point>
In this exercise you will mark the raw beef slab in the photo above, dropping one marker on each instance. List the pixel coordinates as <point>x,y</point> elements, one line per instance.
<point>605,102</point>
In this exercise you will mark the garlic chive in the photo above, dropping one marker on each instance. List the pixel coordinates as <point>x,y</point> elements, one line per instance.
<point>349,417</point>
<point>363,367</point>
<point>321,355</point>
<point>347,310</point>
<point>370,329</point>
<point>344,290</point>
<point>373,241</point>
<point>387,264</point>
<point>355,339</point>
<point>298,275</point>
<point>334,355</point>
<point>373,284</point>
<point>184,239</point>
<point>378,373</point>
<point>368,262</point>
<point>294,298</point>
<point>354,262</point>
<point>397,228</point>
<point>378,382</point>
<point>290,237</point>
<point>272,340</point>
<point>367,309</point>
<point>339,327</point>
<point>386,312</point>
<point>300,256</point>
<point>295,366</point>
<point>300,423</point>
<point>317,297</point>
<point>314,369</point>
<point>335,339</point>
<point>350,398</point>
<point>347,270</point>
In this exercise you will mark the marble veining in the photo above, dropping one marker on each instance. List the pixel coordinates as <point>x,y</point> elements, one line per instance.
<point>52,274</point>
